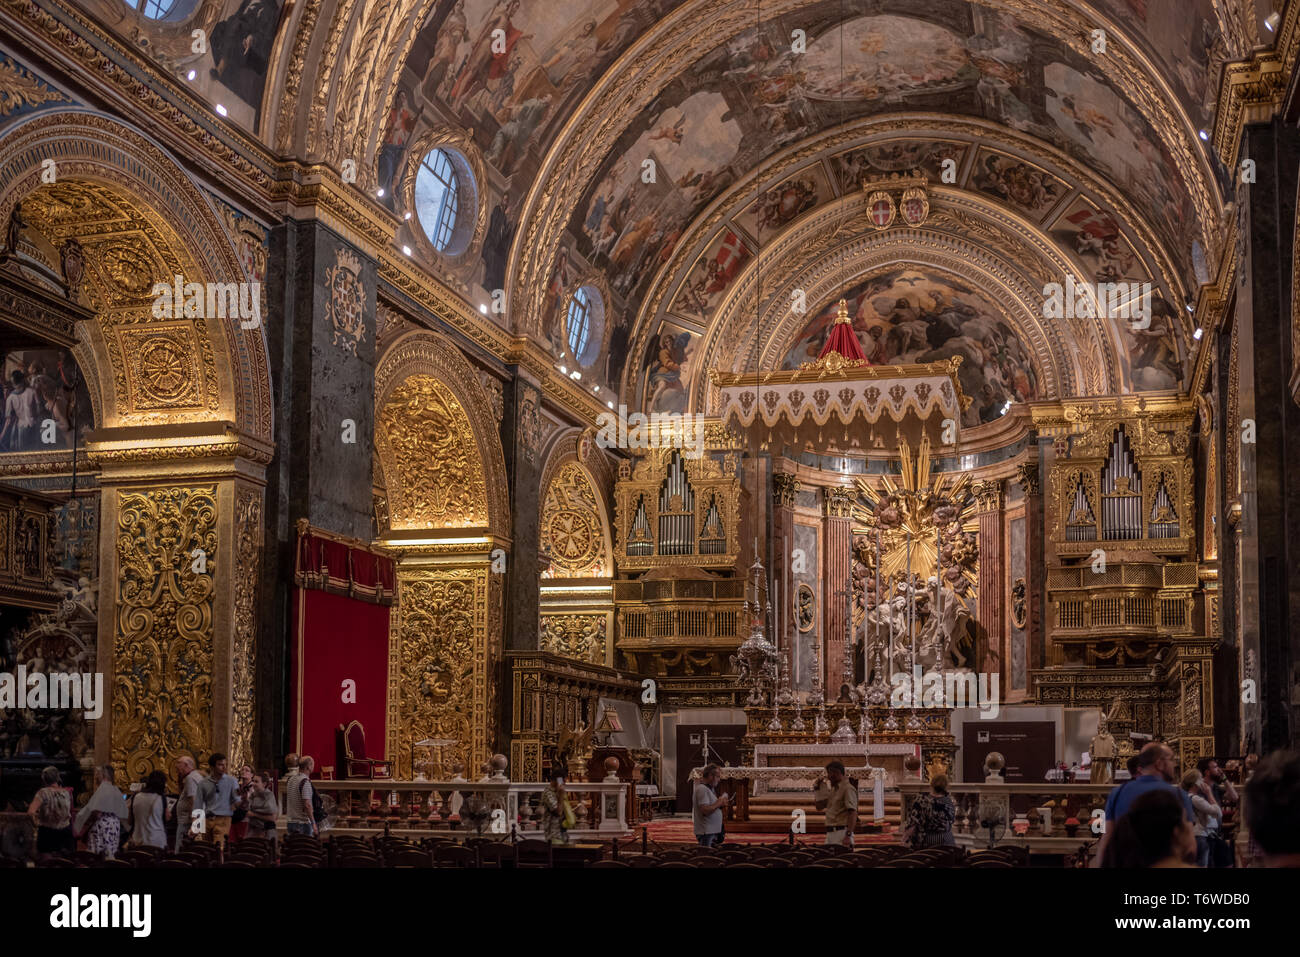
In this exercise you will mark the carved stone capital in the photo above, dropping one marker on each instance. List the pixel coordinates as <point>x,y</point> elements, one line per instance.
<point>839,502</point>
<point>988,495</point>
<point>784,487</point>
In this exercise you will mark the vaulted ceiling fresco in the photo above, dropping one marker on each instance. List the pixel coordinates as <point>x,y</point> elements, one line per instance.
<point>656,149</point>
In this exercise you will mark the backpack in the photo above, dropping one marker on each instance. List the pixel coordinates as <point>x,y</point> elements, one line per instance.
<point>56,808</point>
<point>318,812</point>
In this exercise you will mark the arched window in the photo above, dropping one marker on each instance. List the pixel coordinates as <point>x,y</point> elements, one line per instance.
<point>585,324</point>
<point>436,200</point>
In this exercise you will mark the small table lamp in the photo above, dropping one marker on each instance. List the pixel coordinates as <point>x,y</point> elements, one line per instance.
<point>609,724</point>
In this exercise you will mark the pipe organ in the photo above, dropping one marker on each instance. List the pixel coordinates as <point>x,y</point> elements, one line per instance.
<point>678,600</point>
<point>1125,613</point>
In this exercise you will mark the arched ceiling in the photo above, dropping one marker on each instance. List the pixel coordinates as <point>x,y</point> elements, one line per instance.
<point>1094,152</point>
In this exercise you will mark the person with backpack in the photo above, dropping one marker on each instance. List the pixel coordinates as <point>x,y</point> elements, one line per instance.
<point>51,812</point>
<point>191,783</point>
<point>300,799</point>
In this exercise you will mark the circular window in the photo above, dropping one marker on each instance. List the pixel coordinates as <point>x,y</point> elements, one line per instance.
<point>585,324</point>
<point>444,189</point>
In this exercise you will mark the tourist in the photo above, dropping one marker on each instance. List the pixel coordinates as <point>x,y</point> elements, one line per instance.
<point>1153,768</point>
<point>100,821</point>
<point>707,807</point>
<point>239,820</point>
<point>147,813</point>
<point>1224,794</point>
<point>555,808</point>
<point>1208,814</point>
<point>1153,832</point>
<point>191,781</point>
<point>929,819</point>
<point>51,812</point>
<point>263,809</point>
<point>1272,809</point>
<point>290,765</point>
<point>221,798</point>
<point>297,798</point>
<point>840,800</point>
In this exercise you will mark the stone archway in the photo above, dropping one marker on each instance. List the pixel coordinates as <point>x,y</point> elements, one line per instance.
<point>185,412</point>
<point>448,520</point>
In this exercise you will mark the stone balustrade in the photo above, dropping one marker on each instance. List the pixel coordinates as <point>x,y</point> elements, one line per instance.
<point>471,808</point>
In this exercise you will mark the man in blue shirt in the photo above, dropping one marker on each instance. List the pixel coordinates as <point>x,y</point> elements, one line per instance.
<point>1155,769</point>
<point>220,798</point>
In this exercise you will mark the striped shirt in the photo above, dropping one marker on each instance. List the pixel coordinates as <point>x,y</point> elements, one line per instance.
<point>297,798</point>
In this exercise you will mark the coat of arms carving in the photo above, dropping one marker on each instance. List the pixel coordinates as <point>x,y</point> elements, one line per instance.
<point>346,309</point>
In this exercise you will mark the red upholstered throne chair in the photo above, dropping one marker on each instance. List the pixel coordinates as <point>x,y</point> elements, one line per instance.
<point>352,760</point>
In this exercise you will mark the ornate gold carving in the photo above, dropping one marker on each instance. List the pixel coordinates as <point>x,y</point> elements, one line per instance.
<point>573,531</point>
<point>164,371</point>
<point>163,654</point>
<point>441,663</point>
<point>19,89</point>
<point>434,473</point>
<point>581,637</point>
<point>1027,476</point>
<point>988,495</point>
<point>839,502</point>
<point>785,485</point>
<point>424,354</point>
<point>346,309</point>
<point>248,567</point>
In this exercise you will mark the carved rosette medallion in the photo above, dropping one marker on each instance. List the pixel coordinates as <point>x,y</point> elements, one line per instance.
<point>572,530</point>
<point>346,309</point>
<point>163,652</point>
<point>162,366</point>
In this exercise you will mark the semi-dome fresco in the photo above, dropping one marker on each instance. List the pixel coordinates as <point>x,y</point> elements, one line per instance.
<point>908,315</point>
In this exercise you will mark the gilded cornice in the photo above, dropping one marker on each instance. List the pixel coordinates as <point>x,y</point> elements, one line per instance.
<point>1252,90</point>
<point>646,68</point>
<point>93,54</point>
<point>321,193</point>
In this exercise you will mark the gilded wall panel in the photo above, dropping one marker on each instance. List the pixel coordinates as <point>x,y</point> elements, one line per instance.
<point>163,634</point>
<point>441,663</point>
<point>248,563</point>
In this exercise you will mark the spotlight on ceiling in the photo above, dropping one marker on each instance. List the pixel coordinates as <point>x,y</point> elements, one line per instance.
<point>1198,333</point>
<point>563,371</point>
<point>408,215</point>
<point>1190,309</point>
<point>1006,407</point>
<point>407,250</point>
<point>575,374</point>
<point>221,110</point>
<point>191,75</point>
<point>1272,21</point>
<point>610,403</point>
<point>482,307</point>
<point>1205,136</point>
<point>380,192</point>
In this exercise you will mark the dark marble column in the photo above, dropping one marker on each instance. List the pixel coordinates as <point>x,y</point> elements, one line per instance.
<point>1268,586</point>
<point>521,440</point>
<point>993,650</point>
<point>1035,572</point>
<point>320,332</point>
<point>838,571</point>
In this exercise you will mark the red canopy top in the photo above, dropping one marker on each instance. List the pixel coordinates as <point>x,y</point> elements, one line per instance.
<point>842,339</point>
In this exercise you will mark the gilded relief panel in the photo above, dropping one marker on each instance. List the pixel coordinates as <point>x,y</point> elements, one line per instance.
<point>440,663</point>
<point>248,555</point>
<point>431,460</point>
<point>163,635</point>
<point>573,532</point>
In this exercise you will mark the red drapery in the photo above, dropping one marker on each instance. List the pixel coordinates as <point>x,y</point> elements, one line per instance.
<point>342,593</point>
<point>842,339</point>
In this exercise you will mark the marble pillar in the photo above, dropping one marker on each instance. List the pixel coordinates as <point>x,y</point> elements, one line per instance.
<point>838,565</point>
<point>992,651</point>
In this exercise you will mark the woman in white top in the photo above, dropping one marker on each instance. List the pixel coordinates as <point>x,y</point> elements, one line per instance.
<point>1206,811</point>
<point>148,814</point>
